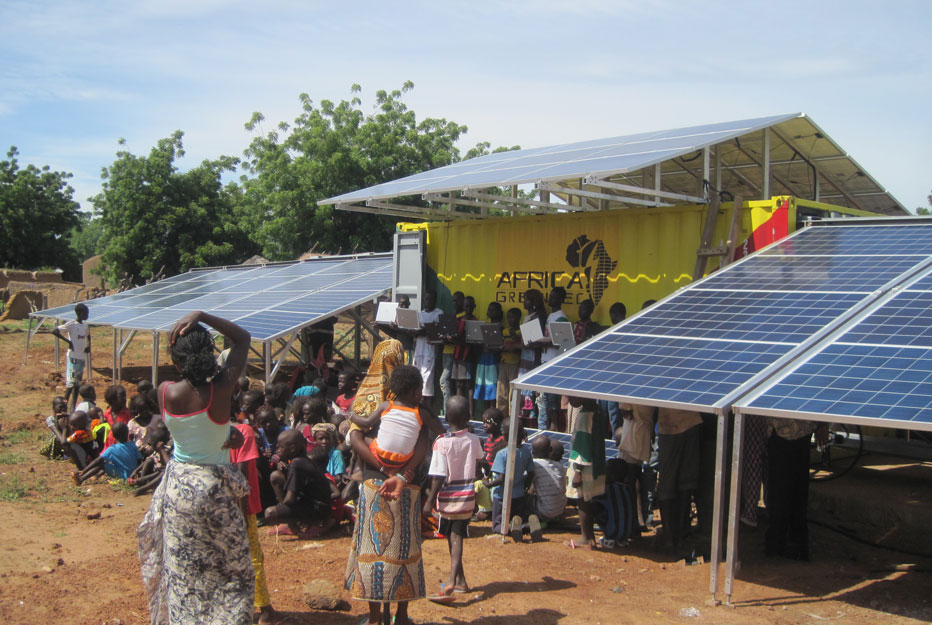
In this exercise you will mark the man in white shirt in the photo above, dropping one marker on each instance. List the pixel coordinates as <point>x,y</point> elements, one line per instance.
<point>425,353</point>
<point>79,345</point>
<point>549,403</point>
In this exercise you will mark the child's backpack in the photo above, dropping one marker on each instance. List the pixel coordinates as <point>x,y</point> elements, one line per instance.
<point>615,512</point>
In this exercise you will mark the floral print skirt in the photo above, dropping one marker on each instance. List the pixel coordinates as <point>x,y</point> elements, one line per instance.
<point>193,548</point>
<point>385,555</point>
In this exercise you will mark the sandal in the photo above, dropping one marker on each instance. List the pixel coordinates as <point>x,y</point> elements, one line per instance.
<point>462,590</point>
<point>441,596</point>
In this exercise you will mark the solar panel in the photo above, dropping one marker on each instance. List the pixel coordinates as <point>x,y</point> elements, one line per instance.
<point>269,301</point>
<point>706,344</point>
<point>877,369</point>
<point>574,160</point>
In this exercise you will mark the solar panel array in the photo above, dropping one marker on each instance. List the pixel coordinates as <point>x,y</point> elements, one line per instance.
<point>703,346</point>
<point>571,160</point>
<point>269,301</point>
<point>879,369</point>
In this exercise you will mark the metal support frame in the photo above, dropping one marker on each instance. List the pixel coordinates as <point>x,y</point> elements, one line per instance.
<point>365,324</point>
<point>281,355</point>
<point>767,179</point>
<point>599,196</point>
<point>357,342</point>
<point>521,204</point>
<point>510,463</point>
<point>731,564</point>
<point>89,359</point>
<point>813,163</point>
<point>765,166</point>
<point>115,372</point>
<point>656,192</point>
<point>155,358</point>
<point>30,332</point>
<point>401,210</point>
<point>267,360</point>
<point>706,175</point>
<point>718,508</point>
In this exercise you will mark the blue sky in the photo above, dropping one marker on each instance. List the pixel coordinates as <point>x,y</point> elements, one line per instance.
<point>77,76</point>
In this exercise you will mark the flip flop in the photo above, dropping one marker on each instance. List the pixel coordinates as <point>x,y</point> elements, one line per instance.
<point>461,590</point>
<point>441,596</point>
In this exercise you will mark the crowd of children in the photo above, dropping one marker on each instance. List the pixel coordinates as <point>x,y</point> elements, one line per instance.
<point>308,469</point>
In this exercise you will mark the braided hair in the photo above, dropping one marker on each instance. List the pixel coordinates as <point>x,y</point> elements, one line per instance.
<point>193,354</point>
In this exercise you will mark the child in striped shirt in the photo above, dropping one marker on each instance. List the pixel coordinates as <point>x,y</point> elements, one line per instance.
<point>453,469</point>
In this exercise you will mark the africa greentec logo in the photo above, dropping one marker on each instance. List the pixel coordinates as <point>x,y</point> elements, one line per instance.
<point>594,261</point>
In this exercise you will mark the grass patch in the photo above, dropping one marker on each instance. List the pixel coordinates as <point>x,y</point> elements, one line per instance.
<point>12,488</point>
<point>121,486</point>
<point>24,436</point>
<point>11,457</point>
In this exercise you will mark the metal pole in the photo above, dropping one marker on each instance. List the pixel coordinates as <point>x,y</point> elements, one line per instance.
<point>731,564</point>
<point>28,338</point>
<point>267,353</point>
<point>114,375</point>
<point>704,183</point>
<point>357,344</point>
<point>510,463</point>
<point>657,182</point>
<point>765,167</point>
<point>155,358</point>
<point>90,364</point>
<point>721,437</point>
<point>718,169</point>
<point>57,357</point>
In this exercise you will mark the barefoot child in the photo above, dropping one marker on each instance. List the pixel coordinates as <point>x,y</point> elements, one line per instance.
<point>586,475</point>
<point>118,460</point>
<point>115,396</point>
<point>523,477</point>
<point>453,469</point>
<point>156,454</point>
<point>303,492</point>
<point>57,422</point>
<point>80,444</point>
<point>79,346</point>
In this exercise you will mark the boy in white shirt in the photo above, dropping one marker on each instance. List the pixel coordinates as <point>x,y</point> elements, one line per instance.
<point>79,345</point>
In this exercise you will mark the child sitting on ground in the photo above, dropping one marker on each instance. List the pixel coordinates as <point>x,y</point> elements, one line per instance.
<point>453,469</point>
<point>156,453</point>
<point>142,411</point>
<point>346,386</point>
<point>302,490</point>
<point>523,477</point>
<point>80,445</point>
<point>118,460</point>
<point>88,398</point>
<point>57,422</point>
<point>547,501</point>
<point>313,412</point>
<point>115,396</point>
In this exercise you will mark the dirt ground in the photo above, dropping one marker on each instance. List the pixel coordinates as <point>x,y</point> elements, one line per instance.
<point>57,564</point>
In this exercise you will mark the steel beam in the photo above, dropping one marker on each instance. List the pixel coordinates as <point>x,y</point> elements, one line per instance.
<point>814,163</point>
<point>656,193</point>
<point>539,205</point>
<point>600,196</point>
<point>765,166</point>
<point>155,358</point>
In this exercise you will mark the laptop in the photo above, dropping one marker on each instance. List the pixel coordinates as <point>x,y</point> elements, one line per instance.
<point>531,332</point>
<point>386,312</point>
<point>561,334</point>
<point>492,335</point>
<point>407,318</point>
<point>474,331</point>
<point>442,331</point>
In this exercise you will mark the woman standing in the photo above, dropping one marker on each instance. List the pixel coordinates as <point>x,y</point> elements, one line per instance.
<point>193,547</point>
<point>385,555</point>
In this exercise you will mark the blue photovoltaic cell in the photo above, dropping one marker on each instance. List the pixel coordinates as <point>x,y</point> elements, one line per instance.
<point>925,284</point>
<point>904,320</point>
<point>811,273</point>
<point>871,381</point>
<point>689,371</point>
<point>572,160</point>
<point>783,316</point>
<point>840,240</point>
<point>257,295</point>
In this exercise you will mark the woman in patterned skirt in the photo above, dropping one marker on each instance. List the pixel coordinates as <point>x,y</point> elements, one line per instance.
<point>193,547</point>
<point>385,555</point>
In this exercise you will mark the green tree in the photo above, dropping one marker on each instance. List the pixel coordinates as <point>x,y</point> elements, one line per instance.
<point>85,237</point>
<point>332,149</point>
<point>37,214</point>
<point>155,217</point>
<point>925,210</point>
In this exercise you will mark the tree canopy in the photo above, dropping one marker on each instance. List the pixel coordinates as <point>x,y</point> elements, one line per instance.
<point>332,149</point>
<point>156,218</point>
<point>37,215</point>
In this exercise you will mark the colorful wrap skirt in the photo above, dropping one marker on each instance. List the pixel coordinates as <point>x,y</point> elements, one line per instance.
<point>193,548</point>
<point>385,555</point>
